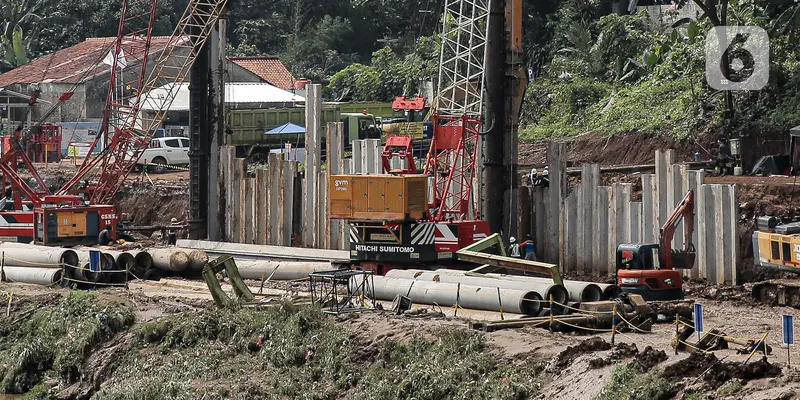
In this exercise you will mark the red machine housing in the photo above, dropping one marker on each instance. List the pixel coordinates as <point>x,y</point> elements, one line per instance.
<point>44,143</point>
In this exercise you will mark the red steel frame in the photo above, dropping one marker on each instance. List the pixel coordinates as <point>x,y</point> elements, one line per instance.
<point>135,32</point>
<point>451,166</point>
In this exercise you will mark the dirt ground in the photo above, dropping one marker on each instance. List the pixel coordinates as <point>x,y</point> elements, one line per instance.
<point>576,365</point>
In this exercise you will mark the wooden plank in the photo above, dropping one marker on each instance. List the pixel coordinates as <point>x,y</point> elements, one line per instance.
<point>649,209</point>
<point>557,161</point>
<point>612,229</point>
<point>288,175</point>
<point>261,207</point>
<point>539,232</point>
<point>230,156</point>
<point>635,220</point>
<point>590,179</point>
<point>273,198</point>
<point>312,165</point>
<point>249,210</point>
<point>241,213</point>
<point>733,215</point>
<point>695,181</point>
<point>601,226</point>
<point>324,227</point>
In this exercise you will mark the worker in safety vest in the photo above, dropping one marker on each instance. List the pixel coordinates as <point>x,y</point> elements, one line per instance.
<point>530,250</point>
<point>513,249</point>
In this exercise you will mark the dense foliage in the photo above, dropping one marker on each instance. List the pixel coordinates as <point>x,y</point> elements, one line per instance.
<point>632,73</point>
<point>590,69</point>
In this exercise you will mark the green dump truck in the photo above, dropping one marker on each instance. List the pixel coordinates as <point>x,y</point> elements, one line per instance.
<point>361,121</point>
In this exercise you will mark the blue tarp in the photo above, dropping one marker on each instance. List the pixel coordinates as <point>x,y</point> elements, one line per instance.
<point>286,128</point>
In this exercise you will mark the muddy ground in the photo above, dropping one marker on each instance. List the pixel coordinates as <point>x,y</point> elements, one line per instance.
<point>174,332</point>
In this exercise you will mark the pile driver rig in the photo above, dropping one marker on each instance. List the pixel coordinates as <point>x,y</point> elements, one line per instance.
<point>386,229</point>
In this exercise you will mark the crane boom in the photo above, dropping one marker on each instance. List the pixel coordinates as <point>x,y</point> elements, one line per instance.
<point>134,130</point>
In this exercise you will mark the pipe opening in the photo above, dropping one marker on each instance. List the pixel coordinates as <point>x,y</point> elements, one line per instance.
<point>70,257</point>
<point>612,292</point>
<point>530,304</point>
<point>559,293</point>
<point>591,293</point>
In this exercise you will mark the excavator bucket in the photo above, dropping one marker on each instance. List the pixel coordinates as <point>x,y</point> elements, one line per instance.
<point>684,259</point>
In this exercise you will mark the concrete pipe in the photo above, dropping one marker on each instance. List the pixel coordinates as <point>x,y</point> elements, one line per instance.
<point>444,294</point>
<point>153,274</point>
<point>610,291</point>
<point>545,287</point>
<point>31,257</point>
<point>279,270</point>
<point>106,261</point>
<point>169,259</point>
<point>578,291</point>
<point>559,293</point>
<point>111,256</point>
<point>197,258</point>
<point>142,260</point>
<point>25,255</point>
<point>39,276</point>
<point>85,275</point>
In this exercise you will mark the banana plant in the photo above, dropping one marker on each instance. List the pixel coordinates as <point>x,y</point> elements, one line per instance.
<point>14,49</point>
<point>18,14</point>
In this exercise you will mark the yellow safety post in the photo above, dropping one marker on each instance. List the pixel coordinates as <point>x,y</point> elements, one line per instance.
<point>74,156</point>
<point>613,323</point>
<point>763,343</point>
<point>458,299</point>
<point>677,334</point>
<point>500,302</point>
<point>361,297</point>
<point>551,313</point>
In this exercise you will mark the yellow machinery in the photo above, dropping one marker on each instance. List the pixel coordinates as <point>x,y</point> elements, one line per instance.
<point>777,246</point>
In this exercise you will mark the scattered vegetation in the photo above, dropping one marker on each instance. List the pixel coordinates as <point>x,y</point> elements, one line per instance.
<point>55,341</point>
<point>627,383</point>
<point>289,352</point>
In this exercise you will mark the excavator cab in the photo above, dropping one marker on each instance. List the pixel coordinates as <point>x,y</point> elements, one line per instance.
<point>651,269</point>
<point>640,271</point>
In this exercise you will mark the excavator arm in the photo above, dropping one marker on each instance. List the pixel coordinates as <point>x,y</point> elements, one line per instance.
<point>684,258</point>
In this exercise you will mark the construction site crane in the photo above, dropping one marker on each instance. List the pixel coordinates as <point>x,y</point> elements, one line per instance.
<point>67,217</point>
<point>132,127</point>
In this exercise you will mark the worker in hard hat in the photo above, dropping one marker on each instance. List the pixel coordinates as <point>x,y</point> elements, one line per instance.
<point>513,249</point>
<point>172,231</point>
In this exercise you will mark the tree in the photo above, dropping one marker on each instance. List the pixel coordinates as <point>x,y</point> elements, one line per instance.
<point>21,17</point>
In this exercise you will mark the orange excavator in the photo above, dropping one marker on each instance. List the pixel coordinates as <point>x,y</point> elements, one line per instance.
<point>651,269</point>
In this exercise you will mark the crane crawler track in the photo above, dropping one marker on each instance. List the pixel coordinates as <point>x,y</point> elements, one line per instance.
<point>777,292</point>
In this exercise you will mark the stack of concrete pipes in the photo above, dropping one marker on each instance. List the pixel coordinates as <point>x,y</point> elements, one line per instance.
<point>579,291</point>
<point>476,297</point>
<point>275,263</point>
<point>517,294</point>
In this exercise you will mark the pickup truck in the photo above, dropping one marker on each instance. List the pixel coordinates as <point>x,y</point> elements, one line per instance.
<point>164,152</point>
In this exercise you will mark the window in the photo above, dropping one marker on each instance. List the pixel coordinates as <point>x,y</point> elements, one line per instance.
<point>776,250</point>
<point>172,143</point>
<point>185,143</point>
<point>787,251</point>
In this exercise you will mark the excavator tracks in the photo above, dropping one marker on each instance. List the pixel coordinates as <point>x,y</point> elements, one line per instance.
<point>778,292</point>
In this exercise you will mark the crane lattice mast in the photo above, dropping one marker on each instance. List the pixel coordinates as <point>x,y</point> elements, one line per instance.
<point>457,120</point>
<point>138,116</point>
